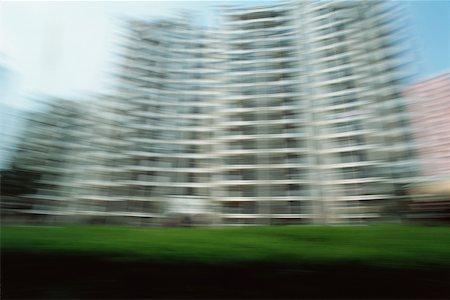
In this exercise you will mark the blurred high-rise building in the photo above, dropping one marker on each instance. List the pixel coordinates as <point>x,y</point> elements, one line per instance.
<point>170,80</point>
<point>313,127</point>
<point>429,106</point>
<point>429,103</point>
<point>290,113</point>
<point>284,114</point>
<point>39,183</point>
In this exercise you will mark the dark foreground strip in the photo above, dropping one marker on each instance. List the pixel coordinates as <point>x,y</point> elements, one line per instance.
<point>38,276</point>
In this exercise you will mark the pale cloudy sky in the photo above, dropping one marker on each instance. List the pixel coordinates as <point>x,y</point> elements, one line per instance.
<point>68,49</point>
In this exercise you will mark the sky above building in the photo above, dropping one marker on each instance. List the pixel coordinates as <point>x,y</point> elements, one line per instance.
<point>70,49</point>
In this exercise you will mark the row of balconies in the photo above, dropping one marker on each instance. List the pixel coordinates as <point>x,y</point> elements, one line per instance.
<point>265,120</point>
<point>274,61</point>
<point>234,39</point>
<point>252,133</point>
<point>264,95</point>
<point>276,191</point>
<point>184,101</point>
<point>171,127</point>
<point>276,207</point>
<point>278,164</point>
<point>252,175</point>
<point>229,152</point>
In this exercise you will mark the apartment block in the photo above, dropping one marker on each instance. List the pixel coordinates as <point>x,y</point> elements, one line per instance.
<point>39,185</point>
<point>313,126</point>
<point>429,104</point>
<point>289,113</point>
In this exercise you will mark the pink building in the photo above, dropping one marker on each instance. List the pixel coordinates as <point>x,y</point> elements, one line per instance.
<point>429,104</point>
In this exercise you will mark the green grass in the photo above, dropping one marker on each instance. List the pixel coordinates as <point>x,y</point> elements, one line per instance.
<point>388,245</point>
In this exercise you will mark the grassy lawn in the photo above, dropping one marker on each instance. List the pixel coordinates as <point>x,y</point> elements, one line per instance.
<point>382,245</point>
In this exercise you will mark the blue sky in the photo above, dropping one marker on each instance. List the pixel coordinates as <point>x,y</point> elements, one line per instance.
<point>431,25</point>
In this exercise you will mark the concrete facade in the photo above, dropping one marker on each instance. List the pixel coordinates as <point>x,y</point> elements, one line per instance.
<point>285,114</point>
